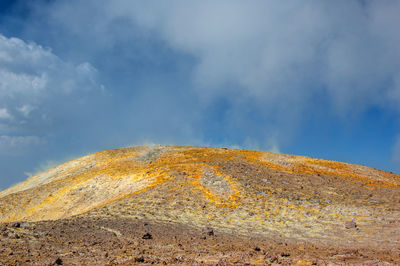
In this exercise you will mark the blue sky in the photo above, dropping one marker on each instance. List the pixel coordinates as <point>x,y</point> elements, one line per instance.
<point>315,78</point>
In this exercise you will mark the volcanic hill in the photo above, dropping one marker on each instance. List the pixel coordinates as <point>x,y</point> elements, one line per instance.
<point>194,205</point>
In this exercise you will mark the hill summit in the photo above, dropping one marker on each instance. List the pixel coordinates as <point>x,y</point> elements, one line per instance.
<point>270,203</point>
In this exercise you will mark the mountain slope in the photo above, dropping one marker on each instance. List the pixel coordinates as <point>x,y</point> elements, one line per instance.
<point>235,192</point>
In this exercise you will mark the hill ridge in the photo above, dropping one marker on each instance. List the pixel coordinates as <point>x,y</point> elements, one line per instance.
<point>235,192</point>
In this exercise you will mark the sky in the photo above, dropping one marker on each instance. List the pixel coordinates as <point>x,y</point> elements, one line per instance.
<point>305,77</point>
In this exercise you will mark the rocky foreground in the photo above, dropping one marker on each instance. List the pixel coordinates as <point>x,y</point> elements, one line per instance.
<point>191,205</point>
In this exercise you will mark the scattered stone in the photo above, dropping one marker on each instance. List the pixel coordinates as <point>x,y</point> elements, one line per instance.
<point>147,236</point>
<point>257,249</point>
<point>274,259</point>
<point>58,261</point>
<point>285,254</point>
<point>208,231</point>
<point>16,225</point>
<point>350,224</point>
<point>139,259</point>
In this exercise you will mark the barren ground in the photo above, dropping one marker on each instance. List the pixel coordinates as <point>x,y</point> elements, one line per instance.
<point>171,205</point>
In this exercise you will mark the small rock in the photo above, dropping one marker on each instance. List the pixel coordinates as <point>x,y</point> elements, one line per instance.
<point>58,261</point>
<point>139,259</point>
<point>257,249</point>
<point>350,224</point>
<point>274,259</point>
<point>208,231</point>
<point>16,225</point>
<point>147,236</point>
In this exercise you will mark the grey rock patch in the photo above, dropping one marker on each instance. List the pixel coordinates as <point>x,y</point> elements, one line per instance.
<point>215,182</point>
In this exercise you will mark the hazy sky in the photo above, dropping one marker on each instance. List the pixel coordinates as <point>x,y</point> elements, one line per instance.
<point>316,78</point>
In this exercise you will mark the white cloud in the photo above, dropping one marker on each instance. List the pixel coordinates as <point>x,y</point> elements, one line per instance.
<point>39,92</point>
<point>278,52</point>
<point>4,114</point>
<point>25,109</point>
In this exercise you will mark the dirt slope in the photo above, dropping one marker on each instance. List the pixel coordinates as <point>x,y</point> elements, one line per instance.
<point>213,202</point>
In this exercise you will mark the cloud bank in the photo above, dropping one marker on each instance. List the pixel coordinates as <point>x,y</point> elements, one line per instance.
<point>284,53</point>
<point>39,93</point>
<point>284,60</point>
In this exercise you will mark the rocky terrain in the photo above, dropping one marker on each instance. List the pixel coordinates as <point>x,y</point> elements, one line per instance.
<point>193,205</point>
